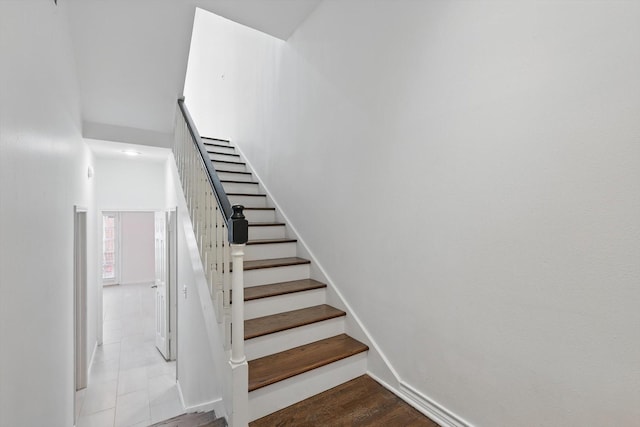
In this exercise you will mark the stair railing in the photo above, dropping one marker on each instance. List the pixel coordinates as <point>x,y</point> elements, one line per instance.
<point>221,232</point>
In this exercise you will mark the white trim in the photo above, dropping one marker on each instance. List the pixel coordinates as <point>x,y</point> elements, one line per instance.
<point>424,404</point>
<point>215,405</point>
<point>430,407</point>
<point>81,363</point>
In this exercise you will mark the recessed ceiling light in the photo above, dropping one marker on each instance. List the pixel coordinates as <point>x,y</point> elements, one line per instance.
<point>131,152</point>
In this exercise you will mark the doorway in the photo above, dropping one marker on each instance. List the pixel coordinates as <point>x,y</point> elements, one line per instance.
<point>80,301</point>
<point>139,251</point>
<point>130,381</point>
<point>165,246</point>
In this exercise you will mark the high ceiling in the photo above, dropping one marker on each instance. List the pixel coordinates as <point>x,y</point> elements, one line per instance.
<point>132,57</point>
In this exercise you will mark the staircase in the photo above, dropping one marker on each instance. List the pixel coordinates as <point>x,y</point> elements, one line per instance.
<point>295,343</point>
<point>289,358</point>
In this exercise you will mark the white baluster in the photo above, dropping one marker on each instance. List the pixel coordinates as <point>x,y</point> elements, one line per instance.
<point>219,267</point>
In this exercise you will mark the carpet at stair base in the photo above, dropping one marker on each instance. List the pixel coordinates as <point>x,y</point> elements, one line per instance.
<point>196,419</point>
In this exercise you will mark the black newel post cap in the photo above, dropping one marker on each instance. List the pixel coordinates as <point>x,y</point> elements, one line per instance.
<point>238,226</point>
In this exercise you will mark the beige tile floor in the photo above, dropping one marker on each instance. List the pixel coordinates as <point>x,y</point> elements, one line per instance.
<point>130,384</point>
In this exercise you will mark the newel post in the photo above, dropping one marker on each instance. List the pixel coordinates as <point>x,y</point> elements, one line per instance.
<point>238,236</point>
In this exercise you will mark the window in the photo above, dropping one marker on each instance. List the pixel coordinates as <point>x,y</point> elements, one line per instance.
<point>110,248</point>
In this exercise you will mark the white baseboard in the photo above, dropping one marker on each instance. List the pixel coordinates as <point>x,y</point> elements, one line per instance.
<point>430,407</point>
<point>215,405</point>
<point>424,404</point>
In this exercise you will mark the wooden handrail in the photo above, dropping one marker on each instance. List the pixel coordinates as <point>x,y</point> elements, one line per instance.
<point>233,216</point>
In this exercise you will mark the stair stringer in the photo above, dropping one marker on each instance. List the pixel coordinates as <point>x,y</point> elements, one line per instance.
<point>378,365</point>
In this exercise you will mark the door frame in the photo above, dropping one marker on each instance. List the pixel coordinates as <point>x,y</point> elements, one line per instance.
<point>172,263</point>
<point>80,288</point>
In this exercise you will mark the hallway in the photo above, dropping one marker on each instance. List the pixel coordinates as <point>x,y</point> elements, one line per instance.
<point>130,384</point>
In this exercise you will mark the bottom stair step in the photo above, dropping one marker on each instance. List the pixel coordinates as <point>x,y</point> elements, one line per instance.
<point>280,366</point>
<point>359,402</point>
<point>196,419</point>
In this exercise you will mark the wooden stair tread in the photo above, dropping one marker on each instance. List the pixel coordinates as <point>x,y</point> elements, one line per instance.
<point>223,154</point>
<point>228,171</point>
<point>266,224</point>
<point>232,181</point>
<point>360,402</point>
<point>211,147</point>
<point>282,288</point>
<point>288,320</point>
<point>270,241</point>
<point>213,139</point>
<point>280,366</point>
<point>228,161</point>
<point>257,209</point>
<point>275,262</point>
<point>246,194</point>
<point>213,144</point>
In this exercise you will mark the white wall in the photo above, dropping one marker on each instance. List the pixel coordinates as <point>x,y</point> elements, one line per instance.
<point>137,231</point>
<point>126,183</point>
<point>468,174</point>
<point>43,174</point>
<point>201,359</point>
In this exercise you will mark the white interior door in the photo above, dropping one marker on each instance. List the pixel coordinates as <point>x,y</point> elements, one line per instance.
<point>162,297</point>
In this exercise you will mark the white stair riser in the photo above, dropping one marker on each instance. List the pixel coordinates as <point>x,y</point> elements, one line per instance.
<point>281,303</point>
<point>265,276</point>
<point>270,251</point>
<point>285,393</point>
<point>260,215</point>
<point>234,176</point>
<point>236,167</point>
<point>225,157</point>
<point>249,201</point>
<point>281,341</point>
<point>235,187</point>
<point>270,232</point>
<point>227,149</point>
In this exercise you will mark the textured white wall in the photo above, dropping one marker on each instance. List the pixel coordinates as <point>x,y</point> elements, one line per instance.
<point>202,361</point>
<point>138,247</point>
<point>468,173</point>
<point>126,183</point>
<point>43,174</point>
